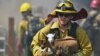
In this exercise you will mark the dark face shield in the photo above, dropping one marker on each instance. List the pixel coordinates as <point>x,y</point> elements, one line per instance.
<point>27,13</point>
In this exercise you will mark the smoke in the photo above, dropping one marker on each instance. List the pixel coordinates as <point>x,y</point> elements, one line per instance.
<point>10,8</point>
<point>41,7</point>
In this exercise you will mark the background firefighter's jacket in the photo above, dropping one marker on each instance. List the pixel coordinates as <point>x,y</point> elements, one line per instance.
<point>26,27</point>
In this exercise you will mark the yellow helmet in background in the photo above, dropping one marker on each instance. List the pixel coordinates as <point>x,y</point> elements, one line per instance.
<point>25,7</point>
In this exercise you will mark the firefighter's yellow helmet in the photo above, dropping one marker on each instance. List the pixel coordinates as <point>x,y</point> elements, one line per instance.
<point>25,7</point>
<point>65,7</point>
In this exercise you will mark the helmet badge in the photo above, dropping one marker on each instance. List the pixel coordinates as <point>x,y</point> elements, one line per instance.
<point>63,8</point>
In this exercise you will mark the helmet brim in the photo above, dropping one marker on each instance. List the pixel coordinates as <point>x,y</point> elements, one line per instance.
<point>80,15</point>
<point>66,11</point>
<point>77,15</point>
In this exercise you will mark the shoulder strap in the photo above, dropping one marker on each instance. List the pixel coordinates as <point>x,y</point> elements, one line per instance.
<point>72,32</point>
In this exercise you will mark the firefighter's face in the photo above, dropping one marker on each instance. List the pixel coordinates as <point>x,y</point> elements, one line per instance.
<point>64,18</point>
<point>27,13</point>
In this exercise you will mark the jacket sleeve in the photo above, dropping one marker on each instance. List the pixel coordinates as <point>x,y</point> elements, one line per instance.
<point>84,42</point>
<point>40,35</point>
<point>21,29</point>
<point>36,41</point>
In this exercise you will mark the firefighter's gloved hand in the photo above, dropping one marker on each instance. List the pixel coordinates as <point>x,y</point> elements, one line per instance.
<point>45,51</point>
<point>79,54</point>
<point>42,52</point>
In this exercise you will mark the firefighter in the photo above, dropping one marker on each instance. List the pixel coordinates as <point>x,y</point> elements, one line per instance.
<point>92,25</point>
<point>28,26</point>
<point>24,40</point>
<point>65,13</point>
<point>95,4</point>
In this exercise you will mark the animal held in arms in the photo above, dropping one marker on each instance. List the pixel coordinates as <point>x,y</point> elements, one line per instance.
<point>67,46</point>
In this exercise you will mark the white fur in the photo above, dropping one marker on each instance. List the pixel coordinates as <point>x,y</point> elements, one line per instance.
<point>50,37</point>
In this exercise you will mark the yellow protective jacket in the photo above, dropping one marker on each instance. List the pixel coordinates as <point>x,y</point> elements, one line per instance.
<point>84,41</point>
<point>22,27</point>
